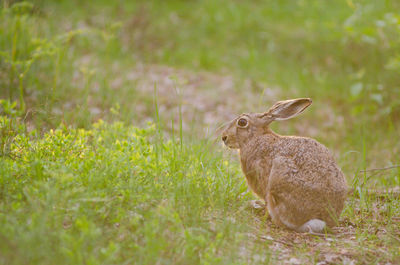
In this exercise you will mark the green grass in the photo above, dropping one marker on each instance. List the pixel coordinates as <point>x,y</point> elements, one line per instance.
<point>114,194</point>
<point>121,195</point>
<point>74,190</point>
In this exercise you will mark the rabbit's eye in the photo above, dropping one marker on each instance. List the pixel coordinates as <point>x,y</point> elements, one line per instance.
<point>242,122</point>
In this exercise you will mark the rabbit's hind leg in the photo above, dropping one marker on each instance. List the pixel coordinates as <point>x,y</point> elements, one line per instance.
<point>279,212</point>
<point>312,226</point>
<point>275,212</point>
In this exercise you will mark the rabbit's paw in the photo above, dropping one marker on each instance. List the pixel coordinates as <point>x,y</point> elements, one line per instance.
<point>257,206</point>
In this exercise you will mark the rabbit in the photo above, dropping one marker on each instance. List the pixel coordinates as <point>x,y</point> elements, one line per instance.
<point>297,177</point>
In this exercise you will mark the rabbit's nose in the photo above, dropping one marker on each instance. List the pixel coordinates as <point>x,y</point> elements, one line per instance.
<point>224,138</point>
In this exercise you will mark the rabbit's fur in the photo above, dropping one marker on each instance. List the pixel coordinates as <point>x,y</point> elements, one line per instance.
<point>298,178</point>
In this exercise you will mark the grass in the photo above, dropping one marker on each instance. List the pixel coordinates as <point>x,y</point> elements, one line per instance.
<point>107,113</point>
<point>97,196</point>
<point>119,195</point>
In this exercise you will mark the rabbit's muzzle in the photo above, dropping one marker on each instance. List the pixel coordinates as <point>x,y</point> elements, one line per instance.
<point>230,142</point>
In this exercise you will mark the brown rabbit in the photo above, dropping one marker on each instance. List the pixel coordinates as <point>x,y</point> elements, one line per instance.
<point>298,178</point>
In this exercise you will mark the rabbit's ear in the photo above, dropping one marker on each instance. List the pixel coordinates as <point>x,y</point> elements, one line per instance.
<point>283,110</point>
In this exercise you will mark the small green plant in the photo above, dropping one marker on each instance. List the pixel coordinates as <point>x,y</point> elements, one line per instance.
<point>10,127</point>
<point>20,49</point>
<point>36,65</point>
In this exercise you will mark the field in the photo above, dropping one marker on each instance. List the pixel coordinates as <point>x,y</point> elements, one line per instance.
<point>109,110</point>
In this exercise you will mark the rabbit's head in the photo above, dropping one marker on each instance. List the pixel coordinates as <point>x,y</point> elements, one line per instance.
<point>249,125</point>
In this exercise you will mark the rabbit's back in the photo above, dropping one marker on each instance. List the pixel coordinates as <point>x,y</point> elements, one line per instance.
<point>306,179</point>
<point>313,161</point>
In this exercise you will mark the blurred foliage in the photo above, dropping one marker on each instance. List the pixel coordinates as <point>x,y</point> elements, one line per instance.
<point>345,52</point>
